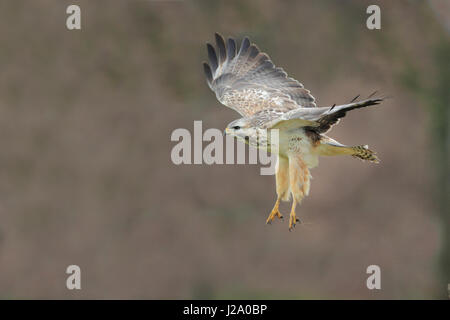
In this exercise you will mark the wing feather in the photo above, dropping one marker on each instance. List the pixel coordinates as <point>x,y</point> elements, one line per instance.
<point>231,53</point>
<point>221,46</point>
<point>322,118</point>
<point>212,57</point>
<point>248,81</point>
<point>333,115</point>
<point>208,73</point>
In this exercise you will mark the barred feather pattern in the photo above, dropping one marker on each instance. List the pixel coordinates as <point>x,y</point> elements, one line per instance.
<point>248,81</point>
<point>364,153</point>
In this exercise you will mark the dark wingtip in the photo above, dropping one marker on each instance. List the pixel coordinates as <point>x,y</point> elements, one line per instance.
<point>372,94</point>
<point>208,72</point>
<point>221,46</point>
<point>212,56</point>
<point>245,45</point>
<point>231,48</point>
<point>353,100</point>
<point>379,98</point>
<point>253,51</point>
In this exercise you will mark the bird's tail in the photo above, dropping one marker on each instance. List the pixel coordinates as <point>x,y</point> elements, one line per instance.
<point>330,147</point>
<point>364,153</point>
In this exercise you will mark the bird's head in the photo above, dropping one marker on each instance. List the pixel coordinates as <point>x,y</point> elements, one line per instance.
<point>244,130</point>
<point>241,129</point>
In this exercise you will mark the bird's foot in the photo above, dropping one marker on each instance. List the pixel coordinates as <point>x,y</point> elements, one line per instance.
<point>293,220</point>
<point>275,213</point>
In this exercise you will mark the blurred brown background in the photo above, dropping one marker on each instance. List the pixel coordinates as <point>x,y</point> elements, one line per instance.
<point>86,176</point>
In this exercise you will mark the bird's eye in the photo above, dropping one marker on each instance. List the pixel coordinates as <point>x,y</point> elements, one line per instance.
<point>236,127</point>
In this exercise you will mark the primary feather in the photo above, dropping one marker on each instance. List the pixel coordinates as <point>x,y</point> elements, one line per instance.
<point>249,82</point>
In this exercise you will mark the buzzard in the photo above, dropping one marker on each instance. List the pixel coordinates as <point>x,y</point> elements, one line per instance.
<point>247,81</point>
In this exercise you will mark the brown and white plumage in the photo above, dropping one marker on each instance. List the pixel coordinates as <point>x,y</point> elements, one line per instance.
<point>247,81</point>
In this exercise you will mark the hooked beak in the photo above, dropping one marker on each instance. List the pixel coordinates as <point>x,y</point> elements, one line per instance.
<point>226,131</point>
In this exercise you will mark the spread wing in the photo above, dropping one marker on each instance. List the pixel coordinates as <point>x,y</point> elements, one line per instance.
<point>321,119</point>
<point>332,117</point>
<point>248,82</point>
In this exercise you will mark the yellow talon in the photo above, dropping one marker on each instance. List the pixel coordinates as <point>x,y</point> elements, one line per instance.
<point>293,217</point>
<point>275,213</point>
<point>292,221</point>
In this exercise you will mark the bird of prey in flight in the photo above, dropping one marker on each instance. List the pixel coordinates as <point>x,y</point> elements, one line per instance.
<point>247,81</point>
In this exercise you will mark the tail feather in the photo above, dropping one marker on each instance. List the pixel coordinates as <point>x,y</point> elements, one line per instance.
<point>330,147</point>
<point>364,153</point>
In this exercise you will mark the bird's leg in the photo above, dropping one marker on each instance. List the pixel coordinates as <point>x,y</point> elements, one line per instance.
<point>293,217</point>
<point>282,183</point>
<point>275,212</point>
<point>299,184</point>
